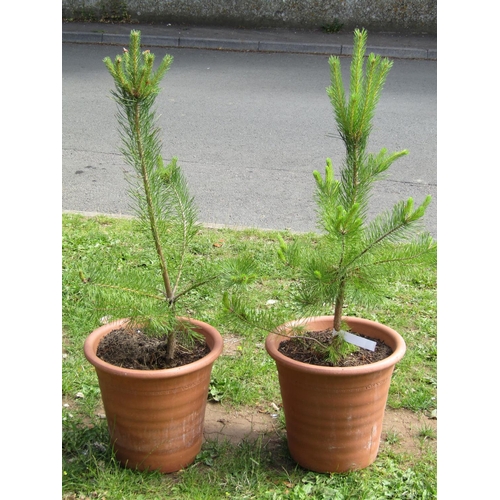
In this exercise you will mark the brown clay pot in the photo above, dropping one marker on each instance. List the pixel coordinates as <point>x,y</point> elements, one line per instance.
<point>155,417</point>
<point>334,415</point>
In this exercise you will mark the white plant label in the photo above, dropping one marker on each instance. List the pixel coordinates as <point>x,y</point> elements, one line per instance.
<point>358,341</point>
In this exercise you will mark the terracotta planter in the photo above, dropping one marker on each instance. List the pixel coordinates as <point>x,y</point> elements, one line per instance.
<point>334,415</point>
<point>155,417</point>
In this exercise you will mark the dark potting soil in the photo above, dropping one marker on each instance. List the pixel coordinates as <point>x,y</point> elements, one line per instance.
<point>306,350</point>
<point>134,349</point>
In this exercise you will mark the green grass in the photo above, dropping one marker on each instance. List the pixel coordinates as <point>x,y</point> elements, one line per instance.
<point>253,470</point>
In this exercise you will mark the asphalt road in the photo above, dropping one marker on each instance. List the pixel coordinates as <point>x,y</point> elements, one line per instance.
<point>248,129</point>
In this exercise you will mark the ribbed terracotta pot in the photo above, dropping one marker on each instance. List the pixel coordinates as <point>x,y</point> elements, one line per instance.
<point>334,415</point>
<point>155,417</point>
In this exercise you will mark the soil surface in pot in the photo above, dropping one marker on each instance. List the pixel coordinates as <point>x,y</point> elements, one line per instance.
<point>134,349</point>
<point>307,350</point>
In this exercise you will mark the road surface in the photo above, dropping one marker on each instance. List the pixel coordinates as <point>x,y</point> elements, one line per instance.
<point>248,129</point>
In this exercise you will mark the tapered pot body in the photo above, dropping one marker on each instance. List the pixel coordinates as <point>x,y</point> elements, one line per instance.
<point>334,415</point>
<point>155,417</point>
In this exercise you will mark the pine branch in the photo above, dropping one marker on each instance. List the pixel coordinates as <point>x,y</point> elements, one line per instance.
<point>184,213</point>
<point>402,219</point>
<point>128,290</point>
<point>256,320</point>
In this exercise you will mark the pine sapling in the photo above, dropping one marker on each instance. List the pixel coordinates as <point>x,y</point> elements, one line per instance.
<point>354,256</point>
<point>164,208</point>
<point>357,255</point>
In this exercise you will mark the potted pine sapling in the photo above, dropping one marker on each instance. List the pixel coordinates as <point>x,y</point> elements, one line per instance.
<point>334,370</point>
<point>153,362</point>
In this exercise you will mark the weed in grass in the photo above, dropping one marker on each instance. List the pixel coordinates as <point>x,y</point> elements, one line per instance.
<point>392,437</point>
<point>427,432</point>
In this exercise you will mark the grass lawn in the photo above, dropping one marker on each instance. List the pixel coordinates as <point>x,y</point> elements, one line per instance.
<point>249,469</point>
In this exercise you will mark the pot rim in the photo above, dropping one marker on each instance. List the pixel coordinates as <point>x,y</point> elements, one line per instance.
<point>92,342</point>
<point>273,340</point>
